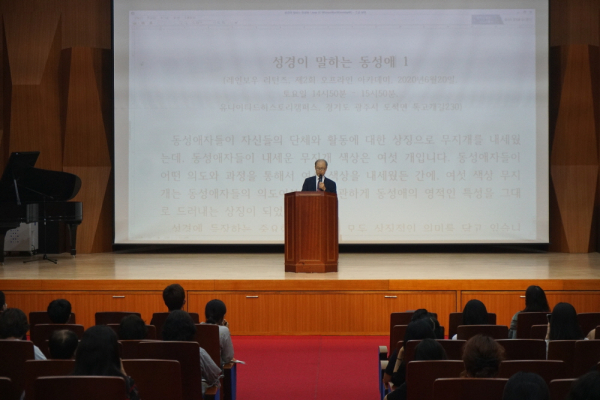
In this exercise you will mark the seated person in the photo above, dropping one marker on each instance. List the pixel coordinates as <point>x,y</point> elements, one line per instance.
<point>526,386</point>
<point>563,323</point>
<point>62,345</point>
<point>474,313</point>
<point>482,356</point>
<point>587,387</point>
<point>132,327</point>
<point>535,301</point>
<point>179,327</point>
<point>59,311</point>
<point>14,326</point>
<point>98,355</point>
<point>214,312</point>
<point>174,297</point>
<point>3,305</point>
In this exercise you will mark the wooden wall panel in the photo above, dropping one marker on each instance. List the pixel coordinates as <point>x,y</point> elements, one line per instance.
<point>574,22</point>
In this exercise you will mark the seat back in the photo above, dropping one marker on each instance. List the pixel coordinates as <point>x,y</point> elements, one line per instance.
<point>563,350</point>
<point>538,331</point>
<point>112,317</point>
<point>453,348</point>
<point>398,333</point>
<point>37,368</point>
<point>13,354</point>
<point>456,319</point>
<point>41,333</point>
<point>523,349</point>
<point>586,357</point>
<point>41,317</point>
<point>547,369</point>
<point>525,320</point>
<point>188,355</point>
<point>6,388</point>
<point>560,388</point>
<point>468,388</point>
<point>398,318</point>
<point>420,376</point>
<point>158,320</point>
<point>156,379</point>
<point>150,335</point>
<point>465,332</point>
<point>207,336</point>
<point>588,321</point>
<point>80,387</point>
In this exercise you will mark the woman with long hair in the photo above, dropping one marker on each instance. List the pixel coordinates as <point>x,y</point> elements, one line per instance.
<point>214,312</point>
<point>563,323</point>
<point>535,301</point>
<point>98,355</point>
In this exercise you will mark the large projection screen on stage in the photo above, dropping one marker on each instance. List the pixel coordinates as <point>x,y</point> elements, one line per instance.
<point>432,115</point>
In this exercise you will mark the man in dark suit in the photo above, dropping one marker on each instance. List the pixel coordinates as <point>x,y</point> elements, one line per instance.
<point>319,182</point>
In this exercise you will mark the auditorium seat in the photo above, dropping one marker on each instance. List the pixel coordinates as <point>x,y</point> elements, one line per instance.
<point>129,349</point>
<point>523,349</point>
<point>469,388</point>
<point>421,375</point>
<point>151,335</point>
<point>560,388</point>
<point>41,317</point>
<point>547,369</point>
<point>6,388</point>
<point>398,318</point>
<point>80,387</point>
<point>112,317</point>
<point>38,368</point>
<point>155,379</point>
<point>465,332</point>
<point>14,353</point>
<point>41,333</point>
<point>398,333</point>
<point>538,331</point>
<point>587,355</point>
<point>159,318</point>
<point>525,320</point>
<point>563,350</point>
<point>588,321</point>
<point>456,319</point>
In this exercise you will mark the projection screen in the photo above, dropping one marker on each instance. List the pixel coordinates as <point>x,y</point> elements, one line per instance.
<point>432,116</point>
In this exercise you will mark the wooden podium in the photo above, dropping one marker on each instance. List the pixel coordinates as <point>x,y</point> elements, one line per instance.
<point>311,232</point>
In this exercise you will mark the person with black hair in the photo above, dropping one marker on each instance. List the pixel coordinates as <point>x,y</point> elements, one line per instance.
<point>3,305</point>
<point>526,386</point>
<point>179,327</point>
<point>587,387</point>
<point>215,311</point>
<point>59,311</point>
<point>98,355</point>
<point>174,297</point>
<point>564,324</point>
<point>474,313</point>
<point>62,344</point>
<point>132,327</point>
<point>14,326</point>
<point>482,356</point>
<point>535,301</point>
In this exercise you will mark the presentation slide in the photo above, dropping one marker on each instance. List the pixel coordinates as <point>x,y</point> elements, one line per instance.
<point>433,122</point>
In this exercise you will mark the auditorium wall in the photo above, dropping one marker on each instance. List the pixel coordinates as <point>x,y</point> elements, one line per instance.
<point>56,97</point>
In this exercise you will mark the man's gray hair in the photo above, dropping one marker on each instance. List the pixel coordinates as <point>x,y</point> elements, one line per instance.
<point>320,159</point>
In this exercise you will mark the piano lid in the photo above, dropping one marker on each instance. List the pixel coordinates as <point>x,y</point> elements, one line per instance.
<point>34,184</point>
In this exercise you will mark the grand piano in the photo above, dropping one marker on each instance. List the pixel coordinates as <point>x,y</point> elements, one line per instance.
<point>29,194</point>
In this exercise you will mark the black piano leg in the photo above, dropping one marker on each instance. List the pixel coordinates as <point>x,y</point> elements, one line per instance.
<point>2,237</point>
<point>73,238</point>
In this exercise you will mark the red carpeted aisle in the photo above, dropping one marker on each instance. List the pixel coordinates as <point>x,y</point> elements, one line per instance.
<point>307,367</point>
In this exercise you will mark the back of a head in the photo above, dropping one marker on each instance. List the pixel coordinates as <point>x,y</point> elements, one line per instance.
<point>174,297</point>
<point>429,349</point>
<point>475,313</point>
<point>482,356</point>
<point>98,353</point>
<point>179,327</point>
<point>418,330</point>
<point>564,324</point>
<point>62,344</point>
<point>535,300</point>
<point>132,327</point>
<point>526,386</point>
<point>215,311</point>
<point>59,311</point>
<point>2,301</point>
<point>587,387</point>
<point>422,313</point>
<point>13,324</point>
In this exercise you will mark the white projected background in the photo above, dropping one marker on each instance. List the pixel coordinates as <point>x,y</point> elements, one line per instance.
<point>427,119</point>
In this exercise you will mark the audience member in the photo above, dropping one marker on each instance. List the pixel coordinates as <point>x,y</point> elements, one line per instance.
<point>59,311</point>
<point>132,327</point>
<point>98,355</point>
<point>535,301</point>
<point>174,297</point>
<point>563,323</point>
<point>423,313</point>
<point>587,387</point>
<point>3,305</point>
<point>179,327</point>
<point>62,344</point>
<point>214,312</point>
<point>14,326</point>
<point>427,350</point>
<point>482,356</point>
<point>474,313</point>
<point>526,386</point>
